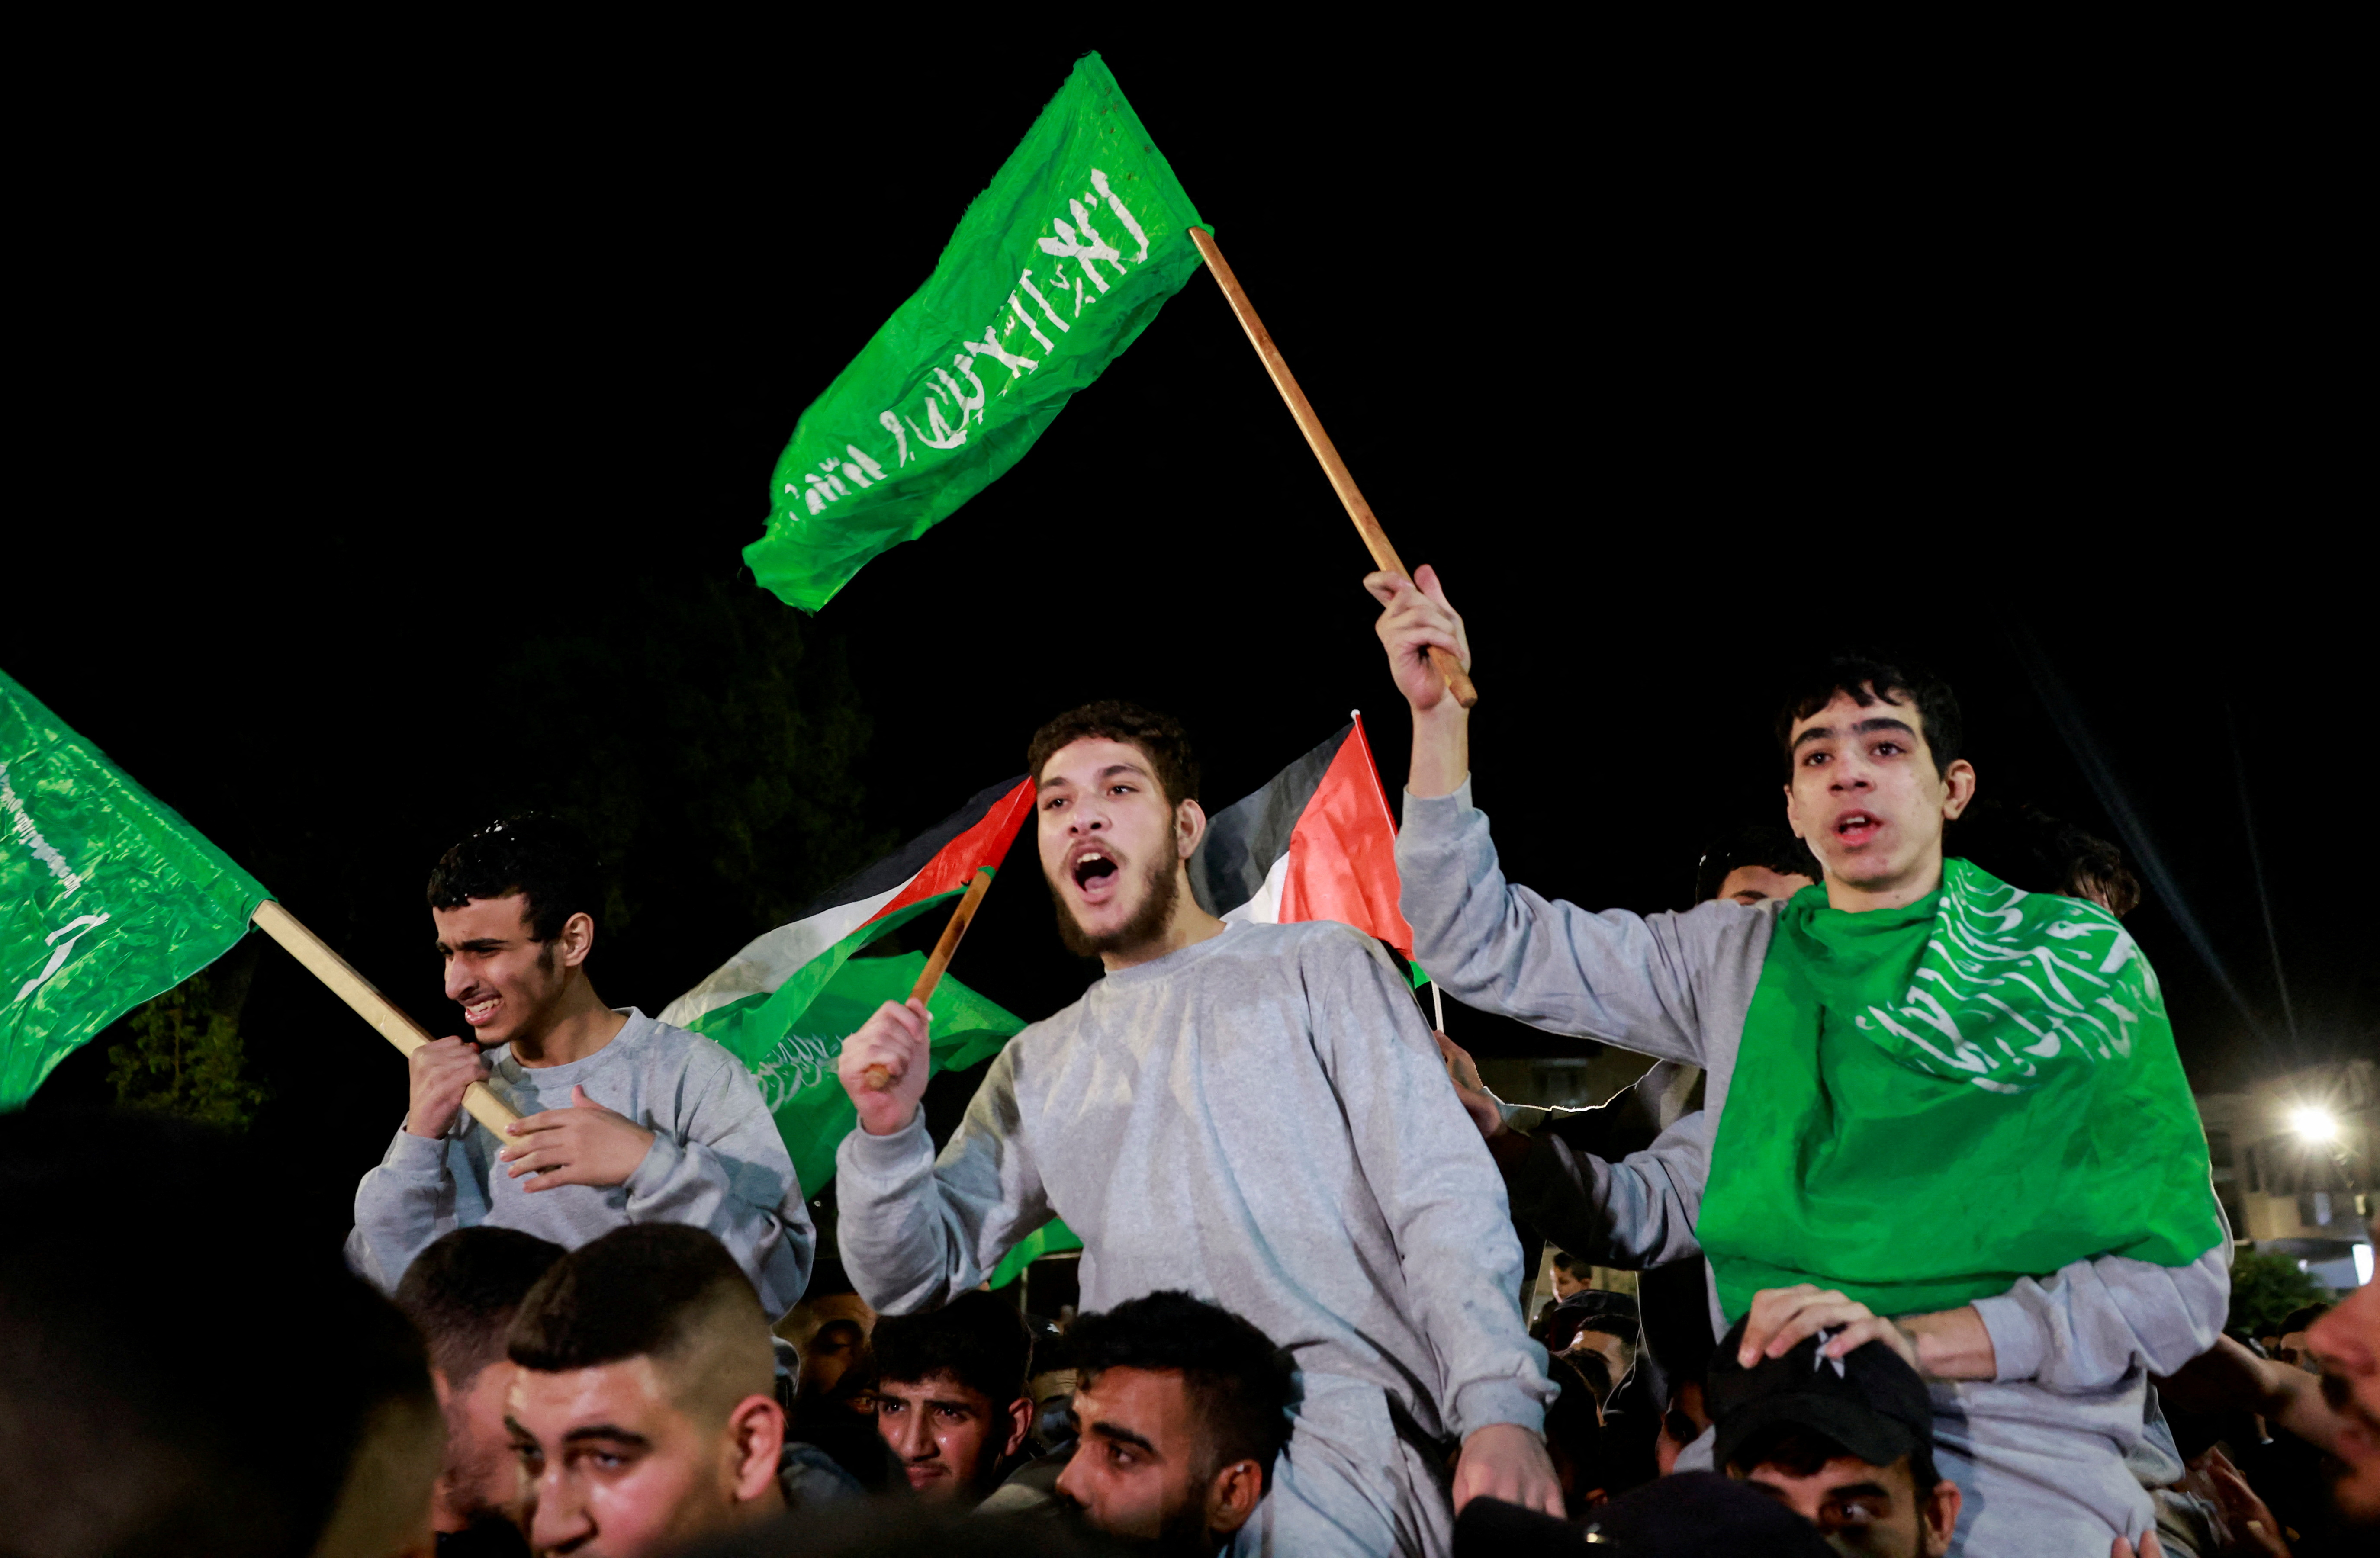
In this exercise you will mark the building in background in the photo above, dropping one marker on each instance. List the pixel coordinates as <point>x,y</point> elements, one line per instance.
<point>2294,1167</point>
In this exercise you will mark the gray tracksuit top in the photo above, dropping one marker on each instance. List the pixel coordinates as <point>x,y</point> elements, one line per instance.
<point>1260,1119</point>
<point>2045,1440</point>
<point>716,1163</point>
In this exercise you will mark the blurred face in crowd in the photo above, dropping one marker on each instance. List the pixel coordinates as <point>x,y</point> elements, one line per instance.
<point>508,982</point>
<point>1566,1283</point>
<point>618,1467</point>
<point>1749,885</point>
<point>481,1475</point>
<point>1111,846</point>
<point>1865,1509</point>
<point>949,1437</point>
<point>2347,1341</point>
<point>1142,1471</point>
<point>1868,799</point>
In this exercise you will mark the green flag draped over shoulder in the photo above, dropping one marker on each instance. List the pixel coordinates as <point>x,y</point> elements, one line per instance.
<point>1935,1101</point>
<point>794,1060</point>
<point>1055,268</point>
<point>106,897</point>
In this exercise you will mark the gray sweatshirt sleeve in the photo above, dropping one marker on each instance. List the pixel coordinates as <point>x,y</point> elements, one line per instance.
<point>1430,1174</point>
<point>402,1207</point>
<point>916,1231</point>
<point>2084,1325</point>
<point>1631,1214</point>
<point>1623,978</point>
<point>726,1170</point>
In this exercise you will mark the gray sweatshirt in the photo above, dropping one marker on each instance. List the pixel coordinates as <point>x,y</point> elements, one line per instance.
<point>716,1163</point>
<point>1261,1119</point>
<point>2073,1348</point>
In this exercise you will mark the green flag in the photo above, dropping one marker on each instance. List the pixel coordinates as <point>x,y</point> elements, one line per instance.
<point>106,897</point>
<point>794,1060</point>
<point>1047,1240</point>
<point>1055,268</point>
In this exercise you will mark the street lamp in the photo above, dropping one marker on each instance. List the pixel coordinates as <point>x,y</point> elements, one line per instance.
<point>2314,1124</point>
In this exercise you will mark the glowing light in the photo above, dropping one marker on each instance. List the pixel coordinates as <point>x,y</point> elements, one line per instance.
<point>2314,1125</point>
<point>2362,1264</point>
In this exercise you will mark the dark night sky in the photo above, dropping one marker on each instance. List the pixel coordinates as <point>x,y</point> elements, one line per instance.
<point>1676,367</point>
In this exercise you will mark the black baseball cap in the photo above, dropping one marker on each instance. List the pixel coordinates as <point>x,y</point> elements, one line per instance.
<point>1869,1401</point>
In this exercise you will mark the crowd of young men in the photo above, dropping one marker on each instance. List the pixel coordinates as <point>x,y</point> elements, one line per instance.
<point>1301,1277</point>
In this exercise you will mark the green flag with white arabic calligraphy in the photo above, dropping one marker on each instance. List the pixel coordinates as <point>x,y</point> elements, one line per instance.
<point>794,1061</point>
<point>1055,268</point>
<point>106,897</point>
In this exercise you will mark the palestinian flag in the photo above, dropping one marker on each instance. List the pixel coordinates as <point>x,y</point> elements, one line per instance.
<point>1317,843</point>
<point>772,1004</point>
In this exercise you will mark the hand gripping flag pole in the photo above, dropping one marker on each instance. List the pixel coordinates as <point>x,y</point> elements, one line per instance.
<point>876,1079</point>
<point>1458,680</point>
<point>370,1003</point>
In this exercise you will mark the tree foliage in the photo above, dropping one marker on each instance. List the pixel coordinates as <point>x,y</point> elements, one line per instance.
<point>708,740</point>
<point>184,1057</point>
<point>2265,1289</point>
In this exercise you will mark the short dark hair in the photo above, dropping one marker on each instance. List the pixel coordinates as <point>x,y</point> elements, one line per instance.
<point>1752,844</point>
<point>1576,1265</point>
<point>2300,1319</point>
<point>1868,678</point>
<point>976,1338</point>
<point>461,1294</point>
<point>1802,1450</point>
<point>540,857</point>
<point>636,1292</point>
<point>1160,737</point>
<point>2027,848</point>
<point>1238,1381</point>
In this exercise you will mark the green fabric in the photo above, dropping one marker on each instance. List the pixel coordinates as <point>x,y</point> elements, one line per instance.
<point>792,1060</point>
<point>1057,266</point>
<point>1933,1102</point>
<point>106,897</point>
<point>1047,1240</point>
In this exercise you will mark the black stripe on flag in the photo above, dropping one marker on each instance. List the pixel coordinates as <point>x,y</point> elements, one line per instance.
<point>1246,837</point>
<point>910,858</point>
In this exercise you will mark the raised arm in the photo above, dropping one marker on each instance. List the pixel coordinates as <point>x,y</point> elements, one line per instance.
<point>917,1232</point>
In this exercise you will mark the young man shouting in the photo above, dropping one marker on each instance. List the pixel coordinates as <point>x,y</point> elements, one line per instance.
<point>1255,1114</point>
<point>1938,1098</point>
<point>625,1120</point>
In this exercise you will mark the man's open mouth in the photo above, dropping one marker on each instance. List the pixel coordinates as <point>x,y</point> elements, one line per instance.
<point>1091,867</point>
<point>480,1013</point>
<point>1857,827</point>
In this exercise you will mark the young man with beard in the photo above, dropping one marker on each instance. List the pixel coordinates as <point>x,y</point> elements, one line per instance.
<point>1255,1113</point>
<point>625,1120</point>
<point>1938,1098</point>
<point>1184,1408</point>
<point>461,1294</point>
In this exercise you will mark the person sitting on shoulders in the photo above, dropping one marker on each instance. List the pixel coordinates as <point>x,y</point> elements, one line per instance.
<point>625,1121</point>
<point>1873,1048</point>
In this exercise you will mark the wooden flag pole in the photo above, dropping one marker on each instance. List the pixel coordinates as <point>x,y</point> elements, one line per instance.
<point>876,1079</point>
<point>370,1003</point>
<point>1384,556</point>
